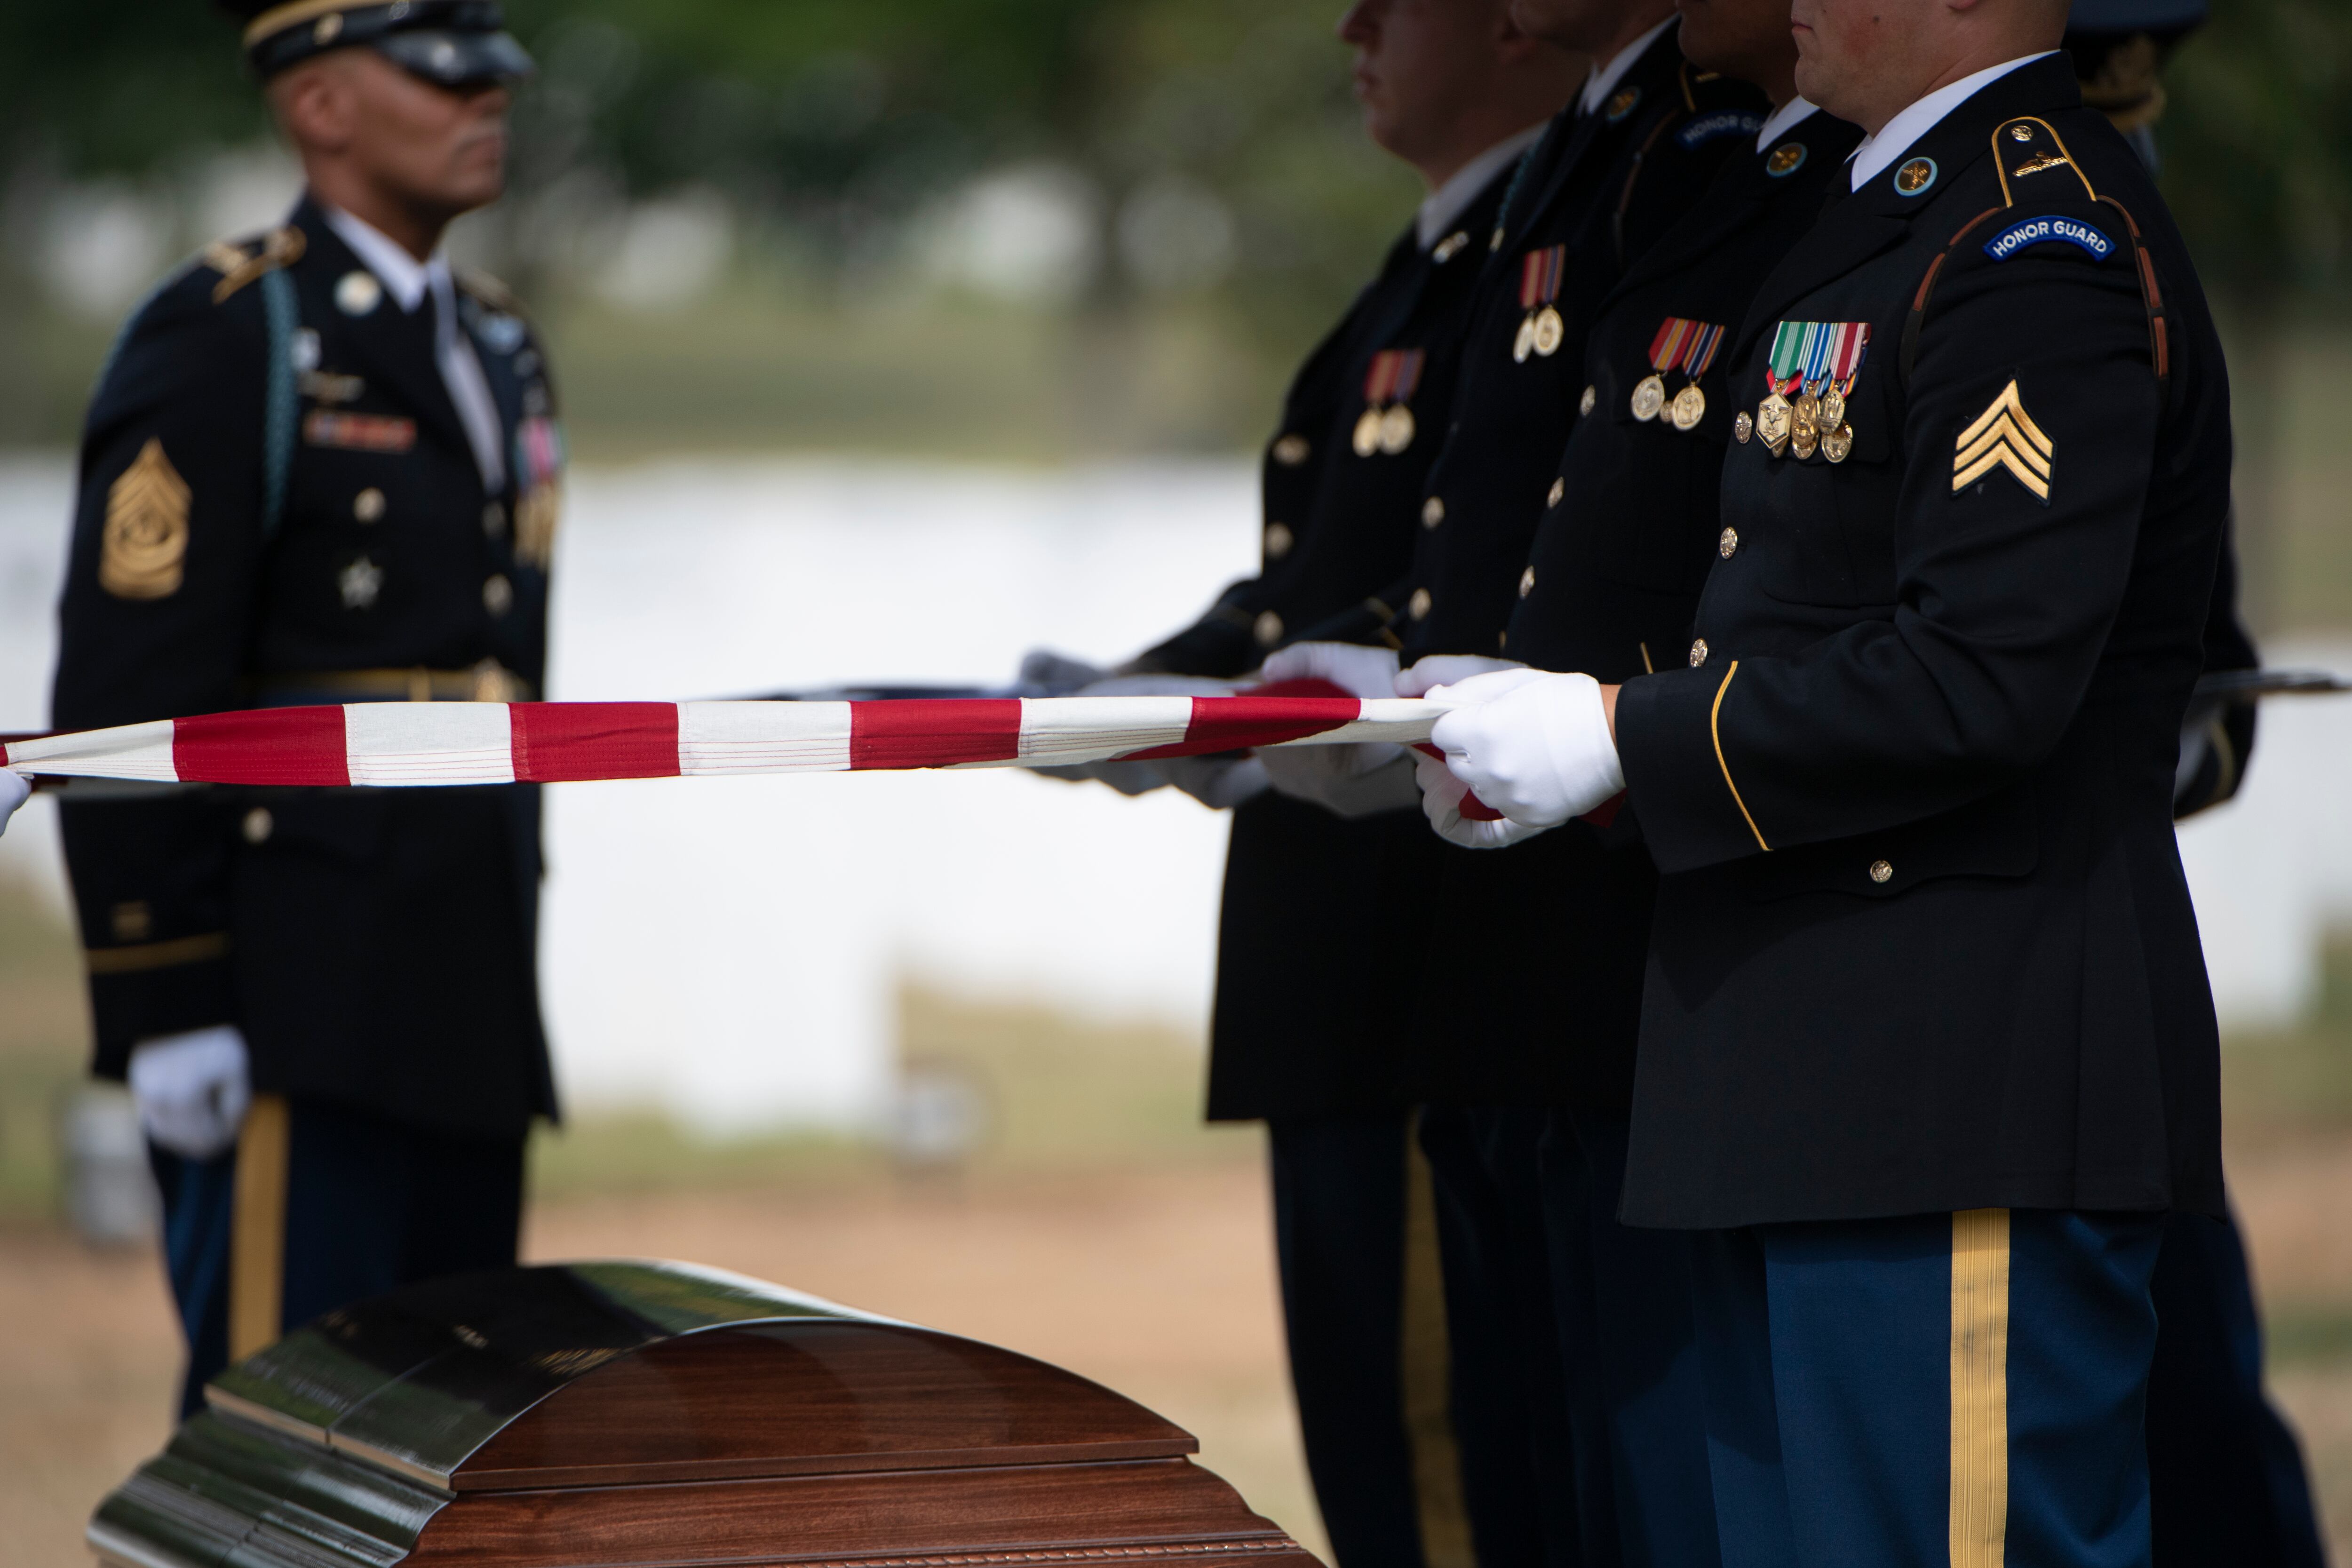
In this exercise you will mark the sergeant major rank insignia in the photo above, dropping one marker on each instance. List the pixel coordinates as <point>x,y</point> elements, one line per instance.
<point>144,548</point>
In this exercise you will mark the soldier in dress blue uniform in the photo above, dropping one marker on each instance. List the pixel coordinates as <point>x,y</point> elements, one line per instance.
<point>2226,1476</point>
<point>1304,1034</point>
<point>1927,1053</point>
<point>321,467</point>
<point>1623,165</point>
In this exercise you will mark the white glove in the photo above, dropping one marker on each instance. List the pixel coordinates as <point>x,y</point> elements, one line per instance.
<point>1445,668</point>
<point>1442,795</point>
<point>193,1089</point>
<point>1220,784</point>
<point>1534,746</point>
<point>1357,670</point>
<point>14,791</point>
<point>1347,780</point>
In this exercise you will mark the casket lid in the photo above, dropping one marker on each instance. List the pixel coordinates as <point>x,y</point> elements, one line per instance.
<point>616,1372</point>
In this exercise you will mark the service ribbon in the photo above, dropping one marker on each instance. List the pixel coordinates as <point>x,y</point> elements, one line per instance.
<point>1539,273</point>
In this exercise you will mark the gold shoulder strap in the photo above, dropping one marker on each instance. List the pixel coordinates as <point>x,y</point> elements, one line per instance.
<point>280,247</point>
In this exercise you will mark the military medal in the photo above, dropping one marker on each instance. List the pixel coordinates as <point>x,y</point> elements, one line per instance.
<point>1783,374</point>
<point>1386,424</point>
<point>1689,347</point>
<point>1542,330</point>
<point>1845,357</point>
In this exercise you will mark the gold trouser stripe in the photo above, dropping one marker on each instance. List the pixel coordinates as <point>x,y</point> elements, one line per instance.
<point>1715,729</point>
<point>1979,1507</point>
<point>157,954</point>
<point>256,1241</point>
<point>1428,1374</point>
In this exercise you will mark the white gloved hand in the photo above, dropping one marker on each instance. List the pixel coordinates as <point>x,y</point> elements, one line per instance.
<point>1360,671</point>
<point>1534,746</point>
<point>15,790</point>
<point>1442,795</point>
<point>193,1089</point>
<point>1445,668</point>
<point>1219,782</point>
<point>1350,781</point>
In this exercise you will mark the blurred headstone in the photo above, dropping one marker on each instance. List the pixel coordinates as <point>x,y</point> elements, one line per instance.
<point>940,1117</point>
<point>110,1193</point>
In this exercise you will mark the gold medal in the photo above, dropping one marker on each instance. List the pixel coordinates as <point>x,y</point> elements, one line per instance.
<point>1690,407</point>
<point>1649,397</point>
<point>1367,439</point>
<point>1805,414</point>
<point>1772,421</point>
<point>1396,429</point>
<point>1551,332</point>
<point>1803,437</point>
<point>1833,412</point>
<point>1525,343</point>
<point>1836,444</point>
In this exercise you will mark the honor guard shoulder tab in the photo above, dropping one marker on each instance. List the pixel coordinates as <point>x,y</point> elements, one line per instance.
<point>240,262</point>
<point>2035,166</point>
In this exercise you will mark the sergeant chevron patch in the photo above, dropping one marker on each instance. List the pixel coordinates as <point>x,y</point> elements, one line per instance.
<point>2005,436</point>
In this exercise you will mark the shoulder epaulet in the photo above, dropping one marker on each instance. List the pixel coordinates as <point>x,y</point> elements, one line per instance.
<point>487,289</point>
<point>2023,150</point>
<point>239,265</point>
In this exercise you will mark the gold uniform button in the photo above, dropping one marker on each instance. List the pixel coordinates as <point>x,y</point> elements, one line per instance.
<point>259,825</point>
<point>1432,511</point>
<point>498,595</point>
<point>1699,653</point>
<point>368,505</point>
<point>1559,488</point>
<point>1728,543</point>
<point>1418,605</point>
<point>1290,451</point>
<point>1277,541</point>
<point>1584,404</point>
<point>1526,581</point>
<point>1880,870</point>
<point>1266,628</point>
<point>494,520</point>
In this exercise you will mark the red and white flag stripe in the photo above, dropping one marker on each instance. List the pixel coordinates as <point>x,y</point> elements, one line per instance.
<point>423,743</point>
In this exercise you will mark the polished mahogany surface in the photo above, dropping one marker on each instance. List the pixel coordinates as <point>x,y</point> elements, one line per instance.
<point>781,1399</point>
<point>660,1416</point>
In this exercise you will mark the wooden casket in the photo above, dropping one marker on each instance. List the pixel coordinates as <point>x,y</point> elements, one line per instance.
<point>640,1412</point>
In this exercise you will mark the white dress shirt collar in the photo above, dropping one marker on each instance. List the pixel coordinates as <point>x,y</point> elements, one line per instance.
<point>1785,119</point>
<point>406,279</point>
<point>1444,204</point>
<point>1900,134</point>
<point>1604,78</point>
<point>404,276</point>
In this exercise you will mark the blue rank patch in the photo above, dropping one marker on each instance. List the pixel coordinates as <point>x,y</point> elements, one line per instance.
<point>2034,231</point>
<point>1722,122</point>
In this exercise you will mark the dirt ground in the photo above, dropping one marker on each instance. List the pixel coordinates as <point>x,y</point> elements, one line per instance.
<point>1160,1284</point>
<point>1157,1283</point>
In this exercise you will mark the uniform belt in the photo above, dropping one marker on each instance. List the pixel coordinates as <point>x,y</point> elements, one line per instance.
<point>488,682</point>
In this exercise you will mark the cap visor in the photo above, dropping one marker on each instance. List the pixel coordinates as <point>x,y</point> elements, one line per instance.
<point>456,59</point>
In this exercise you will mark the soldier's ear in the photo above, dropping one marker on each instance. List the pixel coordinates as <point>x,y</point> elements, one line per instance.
<point>315,104</point>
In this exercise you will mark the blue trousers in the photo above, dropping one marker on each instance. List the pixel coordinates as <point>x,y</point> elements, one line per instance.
<point>369,1206</point>
<point>1344,1240</point>
<point>1962,1389</point>
<point>2226,1479</point>
<point>1630,1345</point>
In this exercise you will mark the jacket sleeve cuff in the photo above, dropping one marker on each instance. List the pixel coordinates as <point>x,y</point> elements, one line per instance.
<point>1676,777</point>
<point>158,988</point>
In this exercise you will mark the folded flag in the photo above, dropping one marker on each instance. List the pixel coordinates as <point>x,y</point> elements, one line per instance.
<point>423,743</point>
